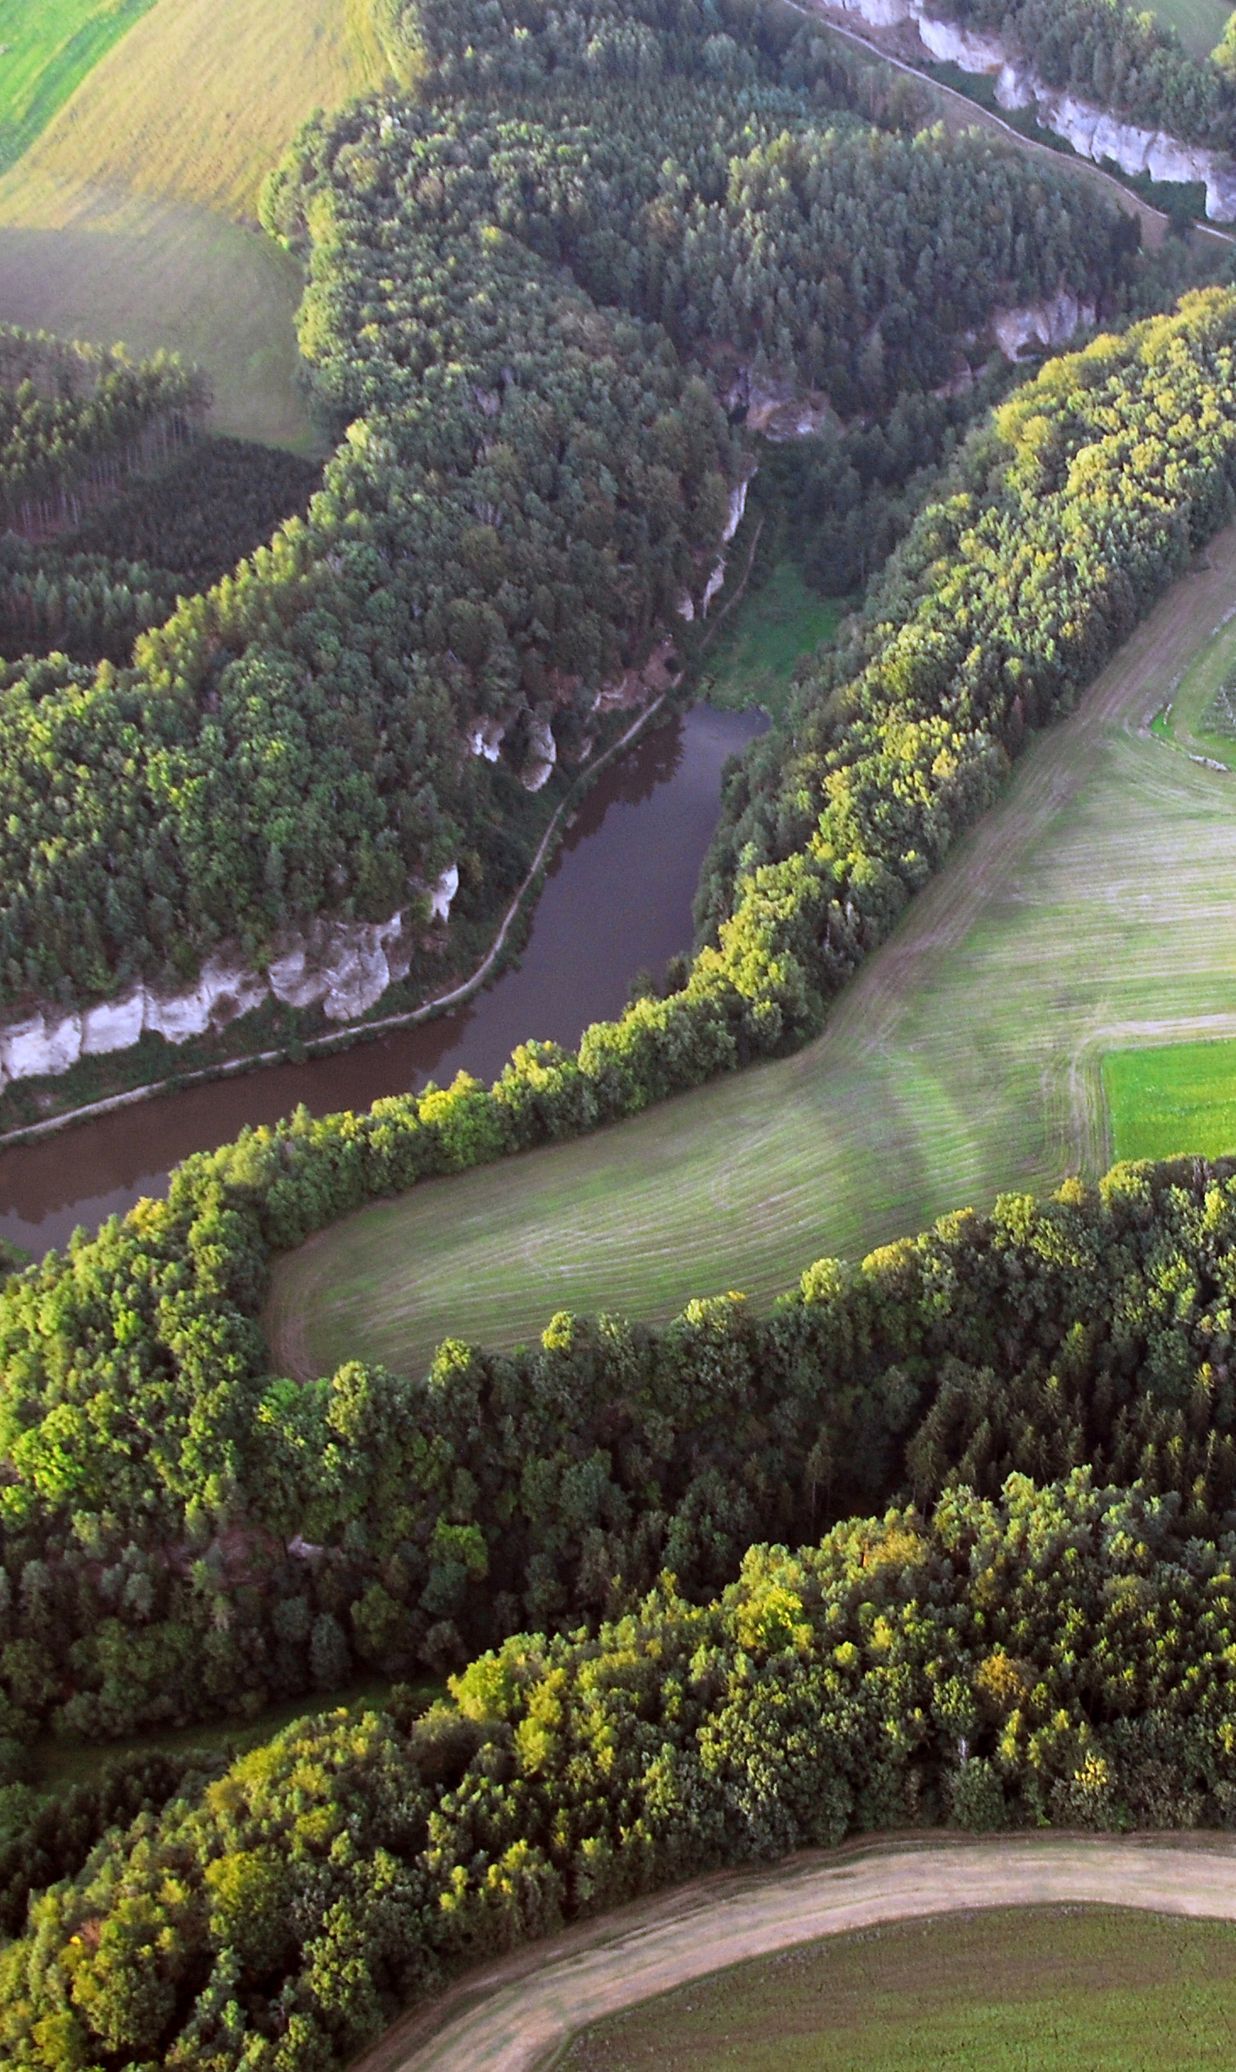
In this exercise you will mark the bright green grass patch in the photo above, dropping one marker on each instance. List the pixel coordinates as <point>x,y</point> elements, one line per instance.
<point>1060,1989</point>
<point>1090,910</point>
<point>772,628</point>
<point>1172,1098</point>
<point>1198,23</point>
<point>46,49</point>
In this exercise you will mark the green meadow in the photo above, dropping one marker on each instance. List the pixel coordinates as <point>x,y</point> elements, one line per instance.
<point>1198,23</point>
<point>754,657</point>
<point>1170,1098</point>
<point>47,47</point>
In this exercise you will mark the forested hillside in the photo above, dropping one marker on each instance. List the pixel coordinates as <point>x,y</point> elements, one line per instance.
<point>514,319</point>
<point>150,1455</point>
<point>1058,1653</point>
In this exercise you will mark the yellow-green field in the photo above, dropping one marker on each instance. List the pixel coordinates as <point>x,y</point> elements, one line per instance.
<point>133,214</point>
<point>1174,1097</point>
<point>1089,912</point>
<point>1060,1989</point>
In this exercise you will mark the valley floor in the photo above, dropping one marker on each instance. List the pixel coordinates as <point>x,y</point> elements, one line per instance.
<point>1090,911</point>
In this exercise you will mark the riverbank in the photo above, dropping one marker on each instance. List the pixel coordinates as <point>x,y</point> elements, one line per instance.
<point>614,897</point>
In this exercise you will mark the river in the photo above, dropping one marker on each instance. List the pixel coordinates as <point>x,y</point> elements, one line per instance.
<point>617,898</point>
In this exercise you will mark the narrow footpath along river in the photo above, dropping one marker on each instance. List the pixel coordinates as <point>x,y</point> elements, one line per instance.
<point>617,898</point>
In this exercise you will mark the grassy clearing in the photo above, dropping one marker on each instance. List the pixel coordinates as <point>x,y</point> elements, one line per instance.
<point>1178,1097</point>
<point>48,48</point>
<point>772,629</point>
<point>1050,1987</point>
<point>1198,23</point>
<point>1090,911</point>
<point>133,215</point>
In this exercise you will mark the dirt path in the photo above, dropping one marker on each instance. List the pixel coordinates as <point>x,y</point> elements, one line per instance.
<point>518,2013</point>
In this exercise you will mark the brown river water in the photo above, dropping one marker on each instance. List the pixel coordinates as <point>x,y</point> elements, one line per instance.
<point>617,898</point>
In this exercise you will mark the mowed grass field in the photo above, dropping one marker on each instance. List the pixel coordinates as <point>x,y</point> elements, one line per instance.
<point>133,214</point>
<point>1191,719</point>
<point>1090,911</point>
<point>1171,1098</point>
<point>1062,1990</point>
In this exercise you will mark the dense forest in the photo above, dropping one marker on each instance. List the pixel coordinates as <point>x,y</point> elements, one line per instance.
<point>1004,600</point>
<point>517,327</point>
<point>1055,1653</point>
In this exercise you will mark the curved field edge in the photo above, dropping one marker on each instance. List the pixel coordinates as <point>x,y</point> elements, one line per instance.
<point>518,2013</point>
<point>1087,912</point>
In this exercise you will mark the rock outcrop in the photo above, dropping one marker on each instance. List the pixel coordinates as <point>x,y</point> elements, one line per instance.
<point>1094,133</point>
<point>542,754</point>
<point>343,967</point>
<point>1044,325</point>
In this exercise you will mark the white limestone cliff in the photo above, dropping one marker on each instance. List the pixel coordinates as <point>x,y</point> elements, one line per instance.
<point>1095,133</point>
<point>342,966</point>
<point>1048,324</point>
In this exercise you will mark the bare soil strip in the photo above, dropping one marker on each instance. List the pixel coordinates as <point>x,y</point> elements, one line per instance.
<point>519,2013</point>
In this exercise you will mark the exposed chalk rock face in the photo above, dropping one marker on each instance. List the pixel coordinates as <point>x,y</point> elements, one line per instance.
<point>542,755</point>
<point>486,738</point>
<point>882,14</point>
<point>178,1016</point>
<point>342,966</point>
<point>443,893</point>
<point>1041,324</point>
<point>685,607</point>
<point>1094,132</point>
<point>738,504</point>
<point>113,1024</point>
<point>40,1043</point>
<point>712,586</point>
<point>954,44</point>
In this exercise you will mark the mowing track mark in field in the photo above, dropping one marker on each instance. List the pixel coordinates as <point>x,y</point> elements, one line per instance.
<point>518,2013</point>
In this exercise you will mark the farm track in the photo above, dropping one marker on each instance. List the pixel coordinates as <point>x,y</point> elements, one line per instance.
<point>1090,907</point>
<point>518,2013</point>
